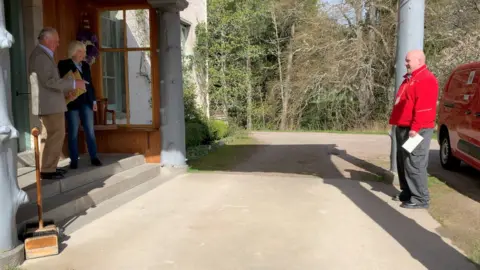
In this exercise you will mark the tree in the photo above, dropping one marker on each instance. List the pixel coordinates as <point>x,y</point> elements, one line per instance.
<point>305,64</point>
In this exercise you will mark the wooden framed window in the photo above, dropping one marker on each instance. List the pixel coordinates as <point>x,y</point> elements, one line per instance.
<point>126,64</point>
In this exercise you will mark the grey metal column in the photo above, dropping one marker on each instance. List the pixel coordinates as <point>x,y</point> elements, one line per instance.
<point>172,113</point>
<point>11,196</point>
<point>410,31</point>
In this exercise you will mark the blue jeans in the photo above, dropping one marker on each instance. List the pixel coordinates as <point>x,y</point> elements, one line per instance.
<point>85,115</point>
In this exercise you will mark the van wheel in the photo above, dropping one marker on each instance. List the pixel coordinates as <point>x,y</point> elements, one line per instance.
<point>448,161</point>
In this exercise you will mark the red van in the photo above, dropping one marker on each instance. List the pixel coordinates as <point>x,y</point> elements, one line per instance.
<point>459,118</point>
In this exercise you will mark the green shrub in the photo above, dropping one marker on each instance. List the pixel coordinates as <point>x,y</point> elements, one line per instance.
<point>233,129</point>
<point>218,129</point>
<point>196,134</point>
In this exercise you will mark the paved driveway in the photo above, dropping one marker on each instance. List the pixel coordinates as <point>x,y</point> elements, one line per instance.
<point>350,156</point>
<point>291,206</point>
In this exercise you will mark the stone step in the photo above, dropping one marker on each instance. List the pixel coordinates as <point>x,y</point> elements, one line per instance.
<point>26,159</point>
<point>76,201</point>
<point>113,164</point>
<point>71,224</point>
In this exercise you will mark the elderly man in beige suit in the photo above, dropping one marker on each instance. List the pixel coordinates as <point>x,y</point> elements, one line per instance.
<point>48,101</point>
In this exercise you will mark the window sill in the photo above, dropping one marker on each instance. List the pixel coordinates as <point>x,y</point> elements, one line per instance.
<point>137,128</point>
<point>102,127</point>
<point>122,128</point>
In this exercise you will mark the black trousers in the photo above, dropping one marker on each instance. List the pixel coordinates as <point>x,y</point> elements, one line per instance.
<point>412,167</point>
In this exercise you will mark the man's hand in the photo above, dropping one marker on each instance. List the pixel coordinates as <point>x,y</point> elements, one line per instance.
<point>412,133</point>
<point>80,84</point>
<point>95,108</point>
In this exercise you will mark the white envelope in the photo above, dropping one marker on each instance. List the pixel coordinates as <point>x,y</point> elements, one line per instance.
<point>412,143</point>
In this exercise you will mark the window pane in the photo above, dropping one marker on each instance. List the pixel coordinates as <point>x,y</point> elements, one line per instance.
<point>113,70</point>
<point>184,29</point>
<point>112,29</point>
<point>140,87</point>
<point>138,28</point>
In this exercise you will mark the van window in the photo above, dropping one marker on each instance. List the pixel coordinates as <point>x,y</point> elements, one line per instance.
<point>472,82</point>
<point>456,85</point>
<point>460,84</point>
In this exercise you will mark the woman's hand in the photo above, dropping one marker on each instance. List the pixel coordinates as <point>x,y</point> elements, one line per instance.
<point>95,107</point>
<point>70,94</point>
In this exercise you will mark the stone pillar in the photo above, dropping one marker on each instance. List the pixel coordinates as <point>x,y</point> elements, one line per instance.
<point>11,196</point>
<point>172,113</point>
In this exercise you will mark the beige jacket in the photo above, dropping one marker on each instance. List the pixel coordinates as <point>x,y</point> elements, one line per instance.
<point>47,88</point>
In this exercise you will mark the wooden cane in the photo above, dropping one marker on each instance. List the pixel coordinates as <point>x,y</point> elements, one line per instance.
<point>43,240</point>
<point>35,133</point>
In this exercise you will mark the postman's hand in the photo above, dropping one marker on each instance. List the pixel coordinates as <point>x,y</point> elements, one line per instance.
<point>80,84</point>
<point>412,133</point>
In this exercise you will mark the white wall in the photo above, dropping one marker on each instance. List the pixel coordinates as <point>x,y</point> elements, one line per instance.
<point>195,13</point>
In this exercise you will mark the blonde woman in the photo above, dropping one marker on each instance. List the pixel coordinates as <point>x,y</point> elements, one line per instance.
<point>82,108</point>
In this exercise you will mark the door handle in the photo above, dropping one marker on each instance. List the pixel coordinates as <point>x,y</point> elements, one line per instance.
<point>449,105</point>
<point>477,114</point>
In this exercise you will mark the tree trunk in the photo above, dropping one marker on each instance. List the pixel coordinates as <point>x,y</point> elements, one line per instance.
<point>264,123</point>
<point>223,61</point>
<point>11,196</point>
<point>249,91</point>
<point>288,84</point>
<point>280,69</point>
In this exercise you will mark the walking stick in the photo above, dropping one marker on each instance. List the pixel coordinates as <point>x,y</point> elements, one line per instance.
<point>41,239</point>
<point>36,133</point>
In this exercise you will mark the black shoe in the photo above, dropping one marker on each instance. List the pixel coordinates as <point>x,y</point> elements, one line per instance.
<point>412,205</point>
<point>74,165</point>
<point>401,198</point>
<point>52,176</point>
<point>62,171</point>
<point>96,162</point>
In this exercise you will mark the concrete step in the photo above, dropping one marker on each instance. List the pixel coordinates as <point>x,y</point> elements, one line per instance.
<point>26,159</point>
<point>113,164</point>
<point>74,223</point>
<point>76,201</point>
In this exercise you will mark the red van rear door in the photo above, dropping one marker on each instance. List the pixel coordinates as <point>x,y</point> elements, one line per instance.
<point>475,128</point>
<point>452,113</point>
<point>469,141</point>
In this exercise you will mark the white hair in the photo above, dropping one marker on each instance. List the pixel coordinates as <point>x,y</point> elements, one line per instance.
<point>46,33</point>
<point>74,46</point>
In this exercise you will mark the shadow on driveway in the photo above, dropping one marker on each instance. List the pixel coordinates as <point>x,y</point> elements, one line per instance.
<point>328,162</point>
<point>466,180</point>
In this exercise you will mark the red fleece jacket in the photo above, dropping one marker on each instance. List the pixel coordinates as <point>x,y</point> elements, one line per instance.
<point>416,101</point>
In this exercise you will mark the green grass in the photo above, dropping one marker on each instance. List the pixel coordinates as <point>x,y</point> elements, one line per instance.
<point>433,181</point>
<point>236,150</point>
<point>460,223</point>
<point>13,268</point>
<point>369,132</point>
<point>360,132</point>
<point>475,256</point>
